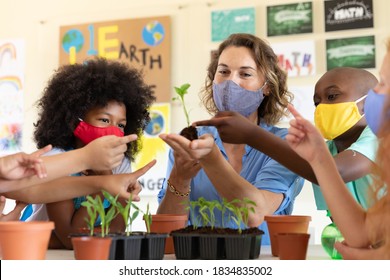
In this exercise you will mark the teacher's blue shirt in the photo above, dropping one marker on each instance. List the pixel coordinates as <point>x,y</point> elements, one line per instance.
<point>257,168</point>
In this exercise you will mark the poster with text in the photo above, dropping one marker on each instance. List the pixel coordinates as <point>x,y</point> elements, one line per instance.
<point>144,43</point>
<point>290,19</point>
<point>348,14</point>
<point>296,58</point>
<point>226,22</point>
<point>154,148</point>
<point>358,52</point>
<point>12,63</point>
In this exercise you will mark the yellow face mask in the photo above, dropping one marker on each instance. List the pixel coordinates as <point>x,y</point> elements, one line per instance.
<point>335,119</point>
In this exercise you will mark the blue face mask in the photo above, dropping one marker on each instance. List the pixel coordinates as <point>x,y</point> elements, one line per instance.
<point>373,110</point>
<point>228,96</point>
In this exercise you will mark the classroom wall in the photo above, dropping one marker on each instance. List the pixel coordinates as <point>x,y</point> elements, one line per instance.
<point>37,23</point>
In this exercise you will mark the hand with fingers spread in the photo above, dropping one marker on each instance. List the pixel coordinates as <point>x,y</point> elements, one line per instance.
<point>232,126</point>
<point>14,214</point>
<point>22,165</point>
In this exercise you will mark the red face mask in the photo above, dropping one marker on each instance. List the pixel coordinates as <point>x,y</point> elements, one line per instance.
<point>87,133</point>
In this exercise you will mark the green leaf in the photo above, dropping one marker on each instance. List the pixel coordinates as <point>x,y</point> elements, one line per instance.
<point>134,216</point>
<point>181,91</point>
<point>185,87</point>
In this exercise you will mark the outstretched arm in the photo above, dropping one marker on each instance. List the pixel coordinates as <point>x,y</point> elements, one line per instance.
<point>349,216</point>
<point>234,128</point>
<point>22,165</point>
<point>103,153</point>
<point>73,186</point>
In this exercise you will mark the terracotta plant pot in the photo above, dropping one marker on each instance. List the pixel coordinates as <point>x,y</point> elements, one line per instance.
<point>285,224</point>
<point>91,247</point>
<point>24,240</point>
<point>293,246</point>
<point>165,223</point>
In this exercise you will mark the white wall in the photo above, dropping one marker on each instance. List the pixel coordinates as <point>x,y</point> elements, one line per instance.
<point>38,22</point>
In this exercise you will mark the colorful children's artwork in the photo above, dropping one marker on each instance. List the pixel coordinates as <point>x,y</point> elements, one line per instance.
<point>144,43</point>
<point>297,58</point>
<point>11,95</point>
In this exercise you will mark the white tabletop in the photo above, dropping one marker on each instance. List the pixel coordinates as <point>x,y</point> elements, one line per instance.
<point>315,252</point>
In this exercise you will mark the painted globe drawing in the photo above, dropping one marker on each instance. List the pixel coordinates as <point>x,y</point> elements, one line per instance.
<point>153,33</point>
<point>156,124</point>
<point>73,38</point>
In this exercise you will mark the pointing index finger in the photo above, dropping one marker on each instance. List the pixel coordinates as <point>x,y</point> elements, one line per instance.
<point>128,138</point>
<point>293,111</point>
<point>205,123</point>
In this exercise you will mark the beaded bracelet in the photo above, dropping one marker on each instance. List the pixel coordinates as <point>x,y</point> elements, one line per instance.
<point>176,192</point>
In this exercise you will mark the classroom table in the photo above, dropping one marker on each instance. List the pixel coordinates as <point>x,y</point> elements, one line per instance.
<point>315,252</point>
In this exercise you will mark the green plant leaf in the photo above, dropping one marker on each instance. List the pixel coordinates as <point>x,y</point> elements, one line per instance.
<point>182,91</point>
<point>89,203</point>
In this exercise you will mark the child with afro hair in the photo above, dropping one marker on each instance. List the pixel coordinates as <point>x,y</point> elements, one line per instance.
<point>81,103</point>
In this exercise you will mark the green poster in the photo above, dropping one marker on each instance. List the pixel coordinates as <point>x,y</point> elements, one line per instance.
<point>224,23</point>
<point>290,19</point>
<point>358,52</point>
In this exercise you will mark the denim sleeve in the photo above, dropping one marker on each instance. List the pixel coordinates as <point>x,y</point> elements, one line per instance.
<point>277,179</point>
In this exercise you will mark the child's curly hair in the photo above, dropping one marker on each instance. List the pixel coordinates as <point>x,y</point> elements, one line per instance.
<point>75,89</point>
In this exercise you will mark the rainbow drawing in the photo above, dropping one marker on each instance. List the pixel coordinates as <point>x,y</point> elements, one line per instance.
<point>7,48</point>
<point>12,80</point>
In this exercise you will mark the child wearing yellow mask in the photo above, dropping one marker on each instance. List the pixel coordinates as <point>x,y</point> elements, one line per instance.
<point>339,98</point>
<point>366,232</point>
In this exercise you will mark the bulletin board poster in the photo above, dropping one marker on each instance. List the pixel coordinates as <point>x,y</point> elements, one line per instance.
<point>290,19</point>
<point>144,43</point>
<point>348,14</point>
<point>358,52</point>
<point>227,22</point>
<point>296,58</point>
<point>12,63</point>
<point>154,148</point>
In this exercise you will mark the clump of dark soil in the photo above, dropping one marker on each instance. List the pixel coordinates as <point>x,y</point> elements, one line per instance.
<point>190,133</point>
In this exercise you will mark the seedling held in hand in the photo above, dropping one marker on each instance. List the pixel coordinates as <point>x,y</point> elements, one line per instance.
<point>189,132</point>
